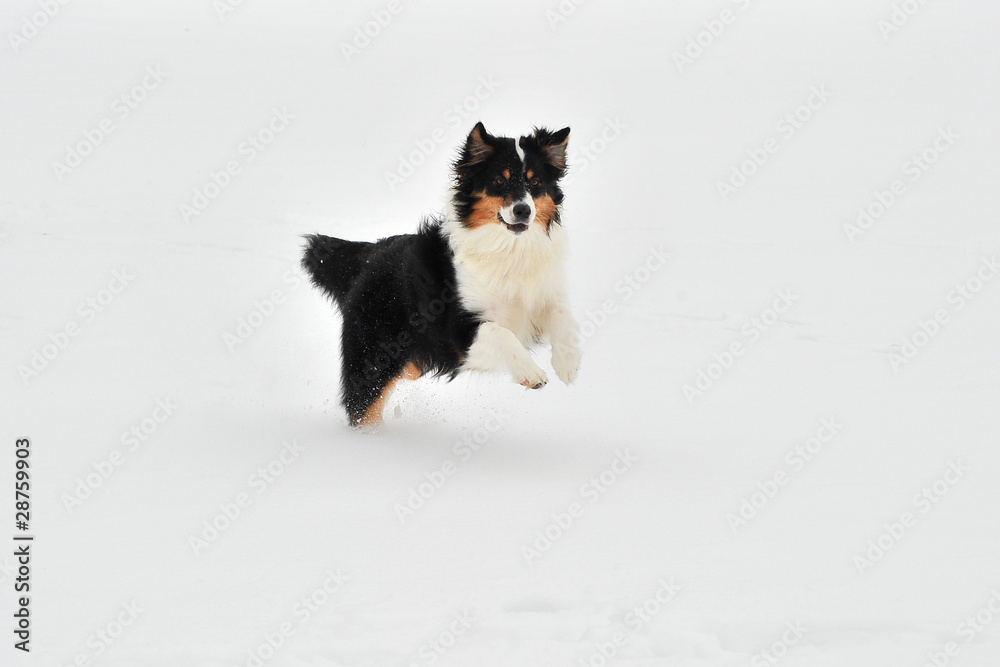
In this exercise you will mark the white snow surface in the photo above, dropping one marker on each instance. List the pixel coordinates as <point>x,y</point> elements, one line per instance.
<point>881,549</point>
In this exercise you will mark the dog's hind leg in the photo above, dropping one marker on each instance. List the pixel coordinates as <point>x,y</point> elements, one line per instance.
<point>373,415</point>
<point>368,380</point>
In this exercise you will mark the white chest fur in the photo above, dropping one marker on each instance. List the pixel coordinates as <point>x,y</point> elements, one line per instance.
<point>507,279</point>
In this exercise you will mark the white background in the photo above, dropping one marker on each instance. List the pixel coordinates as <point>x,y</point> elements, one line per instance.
<point>651,184</point>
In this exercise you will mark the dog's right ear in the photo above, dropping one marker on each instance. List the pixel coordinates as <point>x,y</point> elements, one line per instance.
<point>478,147</point>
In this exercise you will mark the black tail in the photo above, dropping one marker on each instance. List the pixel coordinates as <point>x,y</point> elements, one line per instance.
<point>333,263</point>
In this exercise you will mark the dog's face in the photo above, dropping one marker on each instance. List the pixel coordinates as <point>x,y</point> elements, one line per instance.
<point>513,184</point>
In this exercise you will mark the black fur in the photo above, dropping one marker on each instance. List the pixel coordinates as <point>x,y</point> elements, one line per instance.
<point>399,296</point>
<point>400,305</point>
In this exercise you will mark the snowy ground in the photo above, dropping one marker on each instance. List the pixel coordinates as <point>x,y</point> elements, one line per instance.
<point>823,495</point>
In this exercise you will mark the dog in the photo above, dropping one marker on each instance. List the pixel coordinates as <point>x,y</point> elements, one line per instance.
<point>472,289</point>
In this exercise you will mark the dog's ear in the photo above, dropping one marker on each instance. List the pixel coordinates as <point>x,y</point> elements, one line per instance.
<point>553,145</point>
<point>478,147</point>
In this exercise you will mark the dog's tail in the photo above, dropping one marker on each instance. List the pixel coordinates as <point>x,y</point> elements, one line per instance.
<point>333,263</point>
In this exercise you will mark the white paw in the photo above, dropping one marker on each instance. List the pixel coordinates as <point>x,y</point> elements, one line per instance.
<point>530,375</point>
<point>566,362</point>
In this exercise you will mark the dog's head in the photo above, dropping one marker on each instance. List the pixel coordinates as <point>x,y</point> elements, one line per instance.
<point>513,184</point>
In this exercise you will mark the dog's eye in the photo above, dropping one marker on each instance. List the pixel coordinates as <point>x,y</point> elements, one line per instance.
<point>534,182</point>
<point>500,181</point>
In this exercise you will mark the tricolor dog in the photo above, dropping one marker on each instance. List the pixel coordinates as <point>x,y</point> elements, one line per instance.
<point>472,290</point>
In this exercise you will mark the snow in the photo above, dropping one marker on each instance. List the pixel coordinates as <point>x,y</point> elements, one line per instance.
<point>259,109</point>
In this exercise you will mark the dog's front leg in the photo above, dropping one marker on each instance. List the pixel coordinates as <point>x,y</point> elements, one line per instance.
<point>496,348</point>
<point>562,333</point>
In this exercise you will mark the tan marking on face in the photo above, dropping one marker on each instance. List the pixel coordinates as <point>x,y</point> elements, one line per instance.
<point>506,173</point>
<point>485,211</point>
<point>374,413</point>
<point>545,211</point>
<point>531,174</point>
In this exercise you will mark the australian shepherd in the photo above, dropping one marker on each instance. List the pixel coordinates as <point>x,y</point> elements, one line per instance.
<point>473,289</point>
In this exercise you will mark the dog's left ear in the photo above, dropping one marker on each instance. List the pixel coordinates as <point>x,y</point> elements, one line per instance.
<point>553,145</point>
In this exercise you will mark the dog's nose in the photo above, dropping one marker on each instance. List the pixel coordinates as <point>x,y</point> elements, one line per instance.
<point>521,212</point>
